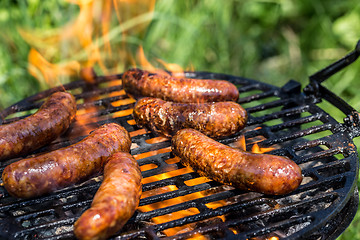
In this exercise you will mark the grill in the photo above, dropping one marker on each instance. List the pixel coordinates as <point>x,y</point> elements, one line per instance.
<point>179,204</point>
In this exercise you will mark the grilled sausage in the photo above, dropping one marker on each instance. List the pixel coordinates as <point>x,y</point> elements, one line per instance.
<point>263,173</point>
<point>54,170</point>
<point>140,83</point>
<point>216,119</point>
<point>115,201</point>
<point>50,121</point>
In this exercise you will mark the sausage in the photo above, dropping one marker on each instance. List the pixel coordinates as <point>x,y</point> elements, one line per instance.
<point>115,201</point>
<point>264,173</point>
<point>54,170</point>
<point>216,119</point>
<point>140,83</point>
<point>50,121</point>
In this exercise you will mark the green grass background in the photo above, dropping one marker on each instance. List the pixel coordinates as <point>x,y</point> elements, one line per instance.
<point>271,41</point>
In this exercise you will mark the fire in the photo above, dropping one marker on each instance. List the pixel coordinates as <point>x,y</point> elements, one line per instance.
<point>48,73</point>
<point>173,201</point>
<point>241,144</point>
<point>169,202</point>
<point>172,172</point>
<point>273,238</point>
<point>87,40</point>
<point>86,43</point>
<point>267,238</point>
<point>257,149</point>
<point>175,69</point>
<point>144,62</point>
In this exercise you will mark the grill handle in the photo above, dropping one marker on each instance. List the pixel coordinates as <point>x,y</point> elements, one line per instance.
<point>327,72</point>
<point>315,89</point>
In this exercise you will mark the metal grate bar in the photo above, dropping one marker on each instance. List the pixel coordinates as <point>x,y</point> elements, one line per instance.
<point>329,181</point>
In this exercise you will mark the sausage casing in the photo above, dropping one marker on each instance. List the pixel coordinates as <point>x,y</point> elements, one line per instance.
<point>140,83</point>
<point>216,119</point>
<point>265,173</point>
<point>50,121</point>
<point>115,201</point>
<point>54,170</point>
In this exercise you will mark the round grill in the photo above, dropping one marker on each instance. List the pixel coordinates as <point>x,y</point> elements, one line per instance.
<point>177,203</point>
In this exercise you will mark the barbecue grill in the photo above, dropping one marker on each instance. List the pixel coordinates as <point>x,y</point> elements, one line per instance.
<point>291,120</point>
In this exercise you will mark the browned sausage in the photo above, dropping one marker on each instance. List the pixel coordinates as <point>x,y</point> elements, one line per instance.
<point>140,83</point>
<point>50,121</point>
<point>216,119</point>
<point>115,201</point>
<point>54,170</point>
<point>269,174</point>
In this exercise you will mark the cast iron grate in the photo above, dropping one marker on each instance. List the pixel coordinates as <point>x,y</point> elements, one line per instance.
<point>293,123</point>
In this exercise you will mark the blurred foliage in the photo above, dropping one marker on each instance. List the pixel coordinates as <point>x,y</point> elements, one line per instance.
<point>267,40</point>
<point>271,41</point>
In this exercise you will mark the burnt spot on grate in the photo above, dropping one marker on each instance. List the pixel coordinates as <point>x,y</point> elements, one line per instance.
<point>177,203</point>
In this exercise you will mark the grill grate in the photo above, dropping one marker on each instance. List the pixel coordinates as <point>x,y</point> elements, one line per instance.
<point>284,118</point>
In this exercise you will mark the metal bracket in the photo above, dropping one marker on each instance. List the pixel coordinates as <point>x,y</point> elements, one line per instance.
<point>333,68</point>
<point>316,90</point>
<point>317,78</point>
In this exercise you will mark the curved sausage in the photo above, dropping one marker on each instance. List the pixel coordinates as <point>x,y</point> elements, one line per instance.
<point>115,201</point>
<point>50,121</point>
<point>140,83</point>
<point>269,174</point>
<point>54,170</point>
<point>216,119</point>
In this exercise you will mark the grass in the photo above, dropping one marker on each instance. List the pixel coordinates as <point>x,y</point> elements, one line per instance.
<point>269,40</point>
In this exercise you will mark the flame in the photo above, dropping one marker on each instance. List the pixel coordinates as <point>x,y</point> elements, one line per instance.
<point>274,238</point>
<point>240,143</point>
<point>173,201</point>
<point>172,171</point>
<point>267,238</point>
<point>175,69</point>
<point>86,41</point>
<point>257,149</point>
<point>49,73</point>
<point>169,202</point>
<point>144,62</point>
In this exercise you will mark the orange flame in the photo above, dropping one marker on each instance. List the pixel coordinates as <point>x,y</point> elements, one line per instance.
<point>173,201</point>
<point>241,144</point>
<point>168,202</point>
<point>86,41</point>
<point>175,69</point>
<point>144,62</point>
<point>49,73</point>
<point>273,238</point>
<point>257,149</point>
